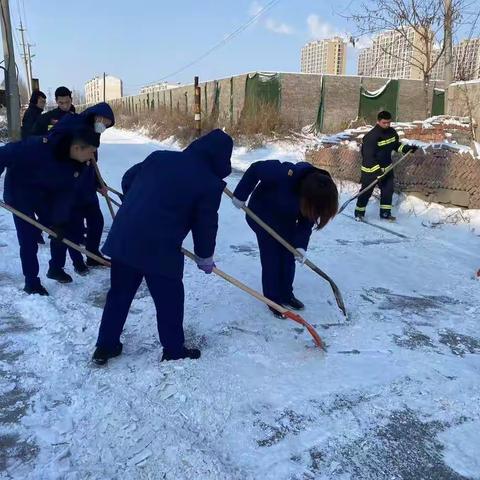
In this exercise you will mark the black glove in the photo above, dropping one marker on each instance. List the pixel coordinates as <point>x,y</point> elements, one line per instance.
<point>59,231</point>
<point>410,148</point>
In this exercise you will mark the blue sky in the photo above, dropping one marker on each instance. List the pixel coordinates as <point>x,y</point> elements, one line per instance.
<point>77,39</point>
<point>145,40</point>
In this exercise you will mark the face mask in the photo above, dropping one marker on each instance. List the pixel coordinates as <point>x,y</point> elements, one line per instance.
<point>100,127</point>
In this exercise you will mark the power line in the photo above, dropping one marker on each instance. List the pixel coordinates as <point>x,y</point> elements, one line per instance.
<point>220,44</point>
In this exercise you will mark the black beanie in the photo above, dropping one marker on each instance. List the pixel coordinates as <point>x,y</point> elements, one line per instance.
<point>63,92</point>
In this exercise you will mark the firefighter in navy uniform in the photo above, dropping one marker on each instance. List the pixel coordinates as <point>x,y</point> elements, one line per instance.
<point>378,145</point>
<point>46,121</point>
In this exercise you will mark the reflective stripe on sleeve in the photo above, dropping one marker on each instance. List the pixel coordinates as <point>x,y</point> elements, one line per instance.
<point>382,143</point>
<point>370,170</point>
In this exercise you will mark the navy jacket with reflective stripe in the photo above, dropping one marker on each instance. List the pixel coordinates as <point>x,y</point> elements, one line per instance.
<point>378,145</point>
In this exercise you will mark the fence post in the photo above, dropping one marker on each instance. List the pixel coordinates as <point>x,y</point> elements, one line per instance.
<point>198,108</point>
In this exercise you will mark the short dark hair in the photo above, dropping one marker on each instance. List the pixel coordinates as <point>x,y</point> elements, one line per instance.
<point>36,94</point>
<point>384,115</point>
<point>318,198</point>
<point>85,136</point>
<point>62,92</point>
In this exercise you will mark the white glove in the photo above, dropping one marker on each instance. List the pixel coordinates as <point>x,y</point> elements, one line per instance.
<point>302,257</point>
<point>238,203</point>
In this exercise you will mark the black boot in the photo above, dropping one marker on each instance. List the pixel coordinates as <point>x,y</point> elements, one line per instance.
<point>81,269</point>
<point>275,313</point>
<point>93,263</point>
<point>59,275</point>
<point>388,216</point>
<point>102,355</point>
<point>294,303</point>
<point>192,353</point>
<point>36,290</point>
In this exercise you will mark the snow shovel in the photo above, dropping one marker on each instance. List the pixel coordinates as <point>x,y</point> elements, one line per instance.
<point>104,186</point>
<point>366,189</point>
<point>53,234</point>
<point>118,204</point>
<point>291,249</point>
<point>116,192</point>
<point>283,311</point>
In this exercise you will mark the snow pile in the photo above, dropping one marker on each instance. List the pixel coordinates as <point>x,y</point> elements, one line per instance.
<point>400,375</point>
<point>407,131</point>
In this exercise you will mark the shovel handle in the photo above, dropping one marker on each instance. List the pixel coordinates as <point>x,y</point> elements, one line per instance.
<point>283,311</point>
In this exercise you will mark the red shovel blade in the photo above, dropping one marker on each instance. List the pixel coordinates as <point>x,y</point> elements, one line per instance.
<point>297,318</point>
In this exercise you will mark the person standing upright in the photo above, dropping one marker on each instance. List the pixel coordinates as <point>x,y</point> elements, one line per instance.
<point>378,145</point>
<point>33,112</point>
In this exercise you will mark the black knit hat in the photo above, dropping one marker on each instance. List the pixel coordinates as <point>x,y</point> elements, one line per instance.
<point>63,92</point>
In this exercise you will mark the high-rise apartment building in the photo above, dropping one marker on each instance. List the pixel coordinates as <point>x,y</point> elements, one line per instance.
<point>325,56</point>
<point>393,55</point>
<point>467,59</point>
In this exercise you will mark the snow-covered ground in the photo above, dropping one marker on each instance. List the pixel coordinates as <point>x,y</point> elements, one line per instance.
<point>396,397</point>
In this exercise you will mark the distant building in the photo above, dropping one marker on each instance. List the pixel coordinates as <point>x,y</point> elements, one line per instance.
<point>325,56</point>
<point>365,62</point>
<point>159,87</point>
<point>466,58</point>
<point>94,89</point>
<point>393,55</point>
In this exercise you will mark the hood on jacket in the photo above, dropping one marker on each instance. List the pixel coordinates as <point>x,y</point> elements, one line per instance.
<point>101,109</point>
<point>216,149</point>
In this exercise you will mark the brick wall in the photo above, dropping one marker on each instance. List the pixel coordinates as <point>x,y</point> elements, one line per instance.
<point>442,177</point>
<point>300,99</point>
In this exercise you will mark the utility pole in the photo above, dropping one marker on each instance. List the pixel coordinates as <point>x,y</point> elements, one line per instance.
<point>104,85</point>
<point>448,40</point>
<point>198,107</point>
<point>11,82</point>
<point>25,59</point>
<point>30,56</point>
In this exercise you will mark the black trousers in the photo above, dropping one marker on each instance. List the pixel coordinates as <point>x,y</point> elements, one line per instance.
<point>386,185</point>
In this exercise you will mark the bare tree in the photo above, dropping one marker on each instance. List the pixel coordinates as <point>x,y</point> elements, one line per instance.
<point>424,18</point>
<point>463,74</point>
